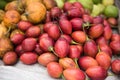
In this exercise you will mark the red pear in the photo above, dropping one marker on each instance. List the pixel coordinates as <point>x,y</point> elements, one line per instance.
<point>74,52</point>
<point>63,16</point>
<point>33,31</point>
<point>105,48</point>
<point>115,66</point>
<point>55,12</point>
<point>101,41</point>
<point>85,62</point>
<point>67,37</point>
<point>87,18</point>
<point>17,38</point>
<point>115,37</point>
<point>29,58</point>
<point>47,25</point>
<point>65,26</point>
<point>46,58</point>
<point>44,35</point>
<point>38,50</point>
<point>46,43</point>
<point>107,31</point>
<point>80,6</point>
<point>10,58</point>
<point>97,20</point>
<point>29,44</point>
<point>115,46</point>
<point>112,21</point>
<point>104,60</point>
<point>77,23</point>
<point>61,47</point>
<point>79,36</point>
<point>105,22</point>
<point>67,63</point>
<point>24,25</point>
<point>67,6</point>
<point>96,31</point>
<point>90,48</point>
<point>19,50</point>
<point>54,32</point>
<point>96,73</point>
<point>80,47</point>
<point>74,74</point>
<point>54,69</point>
<point>74,12</point>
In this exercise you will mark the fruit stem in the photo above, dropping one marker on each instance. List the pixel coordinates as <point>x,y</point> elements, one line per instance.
<point>86,25</point>
<point>73,42</point>
<point>26,14</point>
<point>51,49</point>
<point>85,32</point>
<point>87,78</point>
<point>63,77</point>
<point>8,31</point>
<point>99,49</point>
<point>75,60</point>
<point>87,37</point>
<point>84,28</point>
<point>59,28</point>
<point>20,6</point>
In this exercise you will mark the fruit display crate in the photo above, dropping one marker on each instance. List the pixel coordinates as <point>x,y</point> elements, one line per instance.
<point>117,2</point>
<point>37,72</point>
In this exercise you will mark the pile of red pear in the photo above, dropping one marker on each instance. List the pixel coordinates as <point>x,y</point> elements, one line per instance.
<point>71,44</point>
